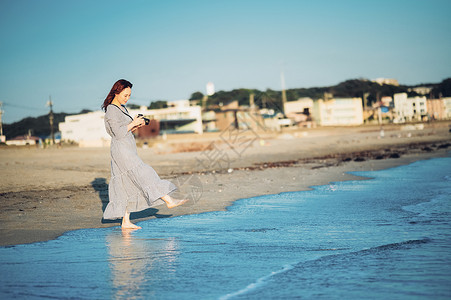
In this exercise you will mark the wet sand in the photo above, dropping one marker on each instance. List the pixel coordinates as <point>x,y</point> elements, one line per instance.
<point>46,192</point>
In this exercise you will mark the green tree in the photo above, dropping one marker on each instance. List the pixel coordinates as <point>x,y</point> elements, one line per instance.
<point>133,106</point>
<point>196,96</point>
<point>442,89</point>
<point>158,104</point>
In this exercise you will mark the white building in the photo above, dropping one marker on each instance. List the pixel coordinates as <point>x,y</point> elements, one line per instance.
<point>178,117</point>
<point>447,102</point>
<point>409,109</point>
<point>338,112</point>
<point>88,130</point>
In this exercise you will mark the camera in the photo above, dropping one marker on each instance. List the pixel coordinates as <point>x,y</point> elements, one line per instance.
<point>145,119</point>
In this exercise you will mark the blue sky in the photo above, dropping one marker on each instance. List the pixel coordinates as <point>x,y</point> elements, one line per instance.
<point>75,50</point>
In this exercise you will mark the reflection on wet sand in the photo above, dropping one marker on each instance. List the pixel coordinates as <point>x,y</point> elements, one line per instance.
<point>133,257</point>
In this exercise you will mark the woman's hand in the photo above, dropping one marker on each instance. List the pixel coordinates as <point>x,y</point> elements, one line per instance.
<point>137,122</point>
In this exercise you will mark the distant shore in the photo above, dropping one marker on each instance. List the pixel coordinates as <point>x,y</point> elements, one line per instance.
<point>46,192</point>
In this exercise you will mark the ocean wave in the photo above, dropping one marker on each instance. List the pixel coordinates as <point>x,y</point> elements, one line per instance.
<point>260,282</point>
<point>438,205</point>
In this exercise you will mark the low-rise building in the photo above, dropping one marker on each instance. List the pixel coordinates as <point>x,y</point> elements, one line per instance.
<point>232,115</point>
<point>389,81</point>
<point>422,90</point>
<point>23,140</point>
<point>299,111</point>
<point>409,109</point>
<point>436,109</point>
<point>338,112</point>
<point>178,117</point>
<point>447,103</point>
<point>88,130</point>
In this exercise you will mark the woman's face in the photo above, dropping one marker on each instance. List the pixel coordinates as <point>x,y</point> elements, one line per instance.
<point>123,96</point>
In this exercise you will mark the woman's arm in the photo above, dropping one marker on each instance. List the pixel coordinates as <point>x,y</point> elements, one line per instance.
<point>118,128</point>
<point>135,124</point>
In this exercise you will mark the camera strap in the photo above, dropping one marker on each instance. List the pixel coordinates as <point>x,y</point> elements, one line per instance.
<point>125,113</point>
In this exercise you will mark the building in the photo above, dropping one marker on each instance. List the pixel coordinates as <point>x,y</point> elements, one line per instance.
<point>234,116</point>
<point>178,117</point>
<point>88,130</point>
<point>338,112</point>
<point>209,121</point>
<point>447,103</point>
<point>24,140</point>
<point>299,111</point>
<point>302,105</point>
<point>436,109</point>
<point>421,90</point>
<point>387,101</point>
<point>409,109</point>
<point>389,81</point>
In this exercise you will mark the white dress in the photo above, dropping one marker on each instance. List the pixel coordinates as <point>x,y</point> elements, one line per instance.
<point>133,184</point>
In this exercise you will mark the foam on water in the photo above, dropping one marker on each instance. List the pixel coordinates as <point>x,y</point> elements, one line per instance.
<point>387,237</point>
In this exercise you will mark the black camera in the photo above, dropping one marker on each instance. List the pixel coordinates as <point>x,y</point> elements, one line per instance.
<point>145,119</point>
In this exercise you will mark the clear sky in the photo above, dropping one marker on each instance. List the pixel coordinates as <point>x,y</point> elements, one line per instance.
<point>75,50</point>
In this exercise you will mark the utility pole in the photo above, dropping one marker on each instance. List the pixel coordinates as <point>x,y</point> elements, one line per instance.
<point>365,100</point>
<point>284,94</point>
<point>49,103</point>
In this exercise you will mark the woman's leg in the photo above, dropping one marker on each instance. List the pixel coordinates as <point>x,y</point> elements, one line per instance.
<point>171,202</point>
<point>126,224</point>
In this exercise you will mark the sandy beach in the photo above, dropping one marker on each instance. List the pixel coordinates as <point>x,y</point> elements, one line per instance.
<point>46,192</point>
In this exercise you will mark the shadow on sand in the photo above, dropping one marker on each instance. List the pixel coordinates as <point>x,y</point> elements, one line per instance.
<point>101,187</point>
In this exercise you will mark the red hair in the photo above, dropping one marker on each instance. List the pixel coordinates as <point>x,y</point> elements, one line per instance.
<point>117,88</point>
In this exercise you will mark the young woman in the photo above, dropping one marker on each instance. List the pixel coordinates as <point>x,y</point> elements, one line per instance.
<point>134,186</point>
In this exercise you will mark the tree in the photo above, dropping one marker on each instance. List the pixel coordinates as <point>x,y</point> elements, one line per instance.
<point>133,106</point>
<point>442,89</point>
<point>158,104</point>
<point>196,96</point>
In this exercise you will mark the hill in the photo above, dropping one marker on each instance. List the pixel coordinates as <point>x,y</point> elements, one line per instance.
<point>348,88</point>
<point>38,126</point>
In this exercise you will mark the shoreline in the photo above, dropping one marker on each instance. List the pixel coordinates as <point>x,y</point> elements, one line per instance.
<point>48,206</point>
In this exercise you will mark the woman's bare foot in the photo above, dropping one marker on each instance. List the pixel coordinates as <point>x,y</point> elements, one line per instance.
<point>129,225</point>
<point>176,202</point>
<point>126,224</point>
<point>171,202</point>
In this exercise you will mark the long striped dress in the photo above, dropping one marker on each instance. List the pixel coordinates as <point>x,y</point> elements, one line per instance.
<point>134,185</point>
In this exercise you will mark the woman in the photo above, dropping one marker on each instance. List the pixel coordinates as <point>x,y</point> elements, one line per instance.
<point>134,186</point>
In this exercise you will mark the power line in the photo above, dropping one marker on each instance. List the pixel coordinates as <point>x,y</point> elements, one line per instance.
<point>23,107</point>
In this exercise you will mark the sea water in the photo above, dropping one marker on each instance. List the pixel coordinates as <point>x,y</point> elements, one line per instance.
<point>388,237</point>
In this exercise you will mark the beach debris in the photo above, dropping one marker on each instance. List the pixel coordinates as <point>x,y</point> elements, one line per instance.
<point>395,155</point>
<point>230,170</point>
